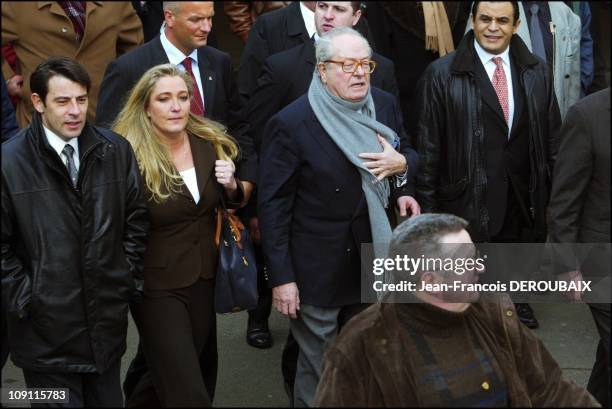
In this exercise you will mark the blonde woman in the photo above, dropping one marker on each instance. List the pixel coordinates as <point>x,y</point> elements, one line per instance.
<point>186,164</point>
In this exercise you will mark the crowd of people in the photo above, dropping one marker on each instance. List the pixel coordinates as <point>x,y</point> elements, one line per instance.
<point>346,123</point>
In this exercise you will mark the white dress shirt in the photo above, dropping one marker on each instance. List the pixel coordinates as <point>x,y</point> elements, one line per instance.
<point>309,21</point>
<point>191,181</point>
<point>58,145</point>
<point>489,65</point>
<point>176,57</point>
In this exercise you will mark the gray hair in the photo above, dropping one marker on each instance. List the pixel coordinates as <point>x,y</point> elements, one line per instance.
<point>421,235</point>
<point>323,47</point>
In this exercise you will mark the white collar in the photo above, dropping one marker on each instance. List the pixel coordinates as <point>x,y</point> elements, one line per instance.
<point>309,21</point>
<point>58,143</point>
<point>175,56</point>
<point>486,56</point>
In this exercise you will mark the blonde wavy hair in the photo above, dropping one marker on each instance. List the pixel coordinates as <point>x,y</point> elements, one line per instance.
<point>154,159</point>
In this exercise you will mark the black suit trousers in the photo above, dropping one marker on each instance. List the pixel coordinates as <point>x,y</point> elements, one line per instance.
<point>178,334</point>
<point>261,313</point>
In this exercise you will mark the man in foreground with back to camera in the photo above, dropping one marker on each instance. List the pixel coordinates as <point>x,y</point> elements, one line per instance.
<point>441,348</point>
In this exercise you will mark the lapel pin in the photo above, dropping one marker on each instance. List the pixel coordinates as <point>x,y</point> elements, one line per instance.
<point>209,78</point>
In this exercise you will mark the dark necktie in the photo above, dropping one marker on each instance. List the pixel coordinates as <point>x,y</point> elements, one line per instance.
<point>72,170</point>
<point>197,103</point>
<point>537,38</point>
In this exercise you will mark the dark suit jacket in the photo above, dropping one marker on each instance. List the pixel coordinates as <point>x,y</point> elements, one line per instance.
<point>180,244</point>
<point>273,32</point>
<point>580,199</point>
<point>151,15</point>
<point>220,93</point>
<point>286,76</point>
<point>312,210</point>
<point>507,158</point>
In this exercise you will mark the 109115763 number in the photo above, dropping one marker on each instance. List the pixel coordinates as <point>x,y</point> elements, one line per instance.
<point>35,395</point>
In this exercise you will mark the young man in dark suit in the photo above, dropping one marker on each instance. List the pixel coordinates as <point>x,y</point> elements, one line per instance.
<point>184,42</point>
<point>273,32</point>
<point>487,133</point>
<point>277,31</point>
<point>74,227</point>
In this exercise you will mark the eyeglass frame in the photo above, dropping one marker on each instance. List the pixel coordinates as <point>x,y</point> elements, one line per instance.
<point>359,63</point>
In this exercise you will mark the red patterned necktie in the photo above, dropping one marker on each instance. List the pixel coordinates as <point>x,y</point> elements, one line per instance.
<point>197,103</point>
<point>501,86</point>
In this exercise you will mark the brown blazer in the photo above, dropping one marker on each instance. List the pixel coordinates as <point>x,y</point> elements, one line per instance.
<point>39,30</point>
<point>181,245</point>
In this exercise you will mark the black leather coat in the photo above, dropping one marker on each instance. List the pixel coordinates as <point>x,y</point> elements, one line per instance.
<point>70,257</point>
<point>450,138</point>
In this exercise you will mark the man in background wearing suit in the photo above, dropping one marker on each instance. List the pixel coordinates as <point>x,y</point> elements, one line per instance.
<point>487,134</point>
<point>273,32</point>
<point>580,213</point>
<point>277,31</point>
<point>151,14</point>
<point>184,42</point>
<point>93,33</point>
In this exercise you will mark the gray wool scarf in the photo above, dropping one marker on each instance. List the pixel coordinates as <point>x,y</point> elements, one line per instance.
<point>355,132</point>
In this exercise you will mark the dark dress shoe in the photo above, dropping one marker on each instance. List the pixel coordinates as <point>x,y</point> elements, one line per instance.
<point>258,335</point>
<point>525,314</point>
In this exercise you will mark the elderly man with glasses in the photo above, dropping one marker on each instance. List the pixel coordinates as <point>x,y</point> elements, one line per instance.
<point>334,162</point>
<point>285,76</point>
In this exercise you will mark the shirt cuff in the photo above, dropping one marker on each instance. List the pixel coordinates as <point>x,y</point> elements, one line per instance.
<point>401,179</point>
